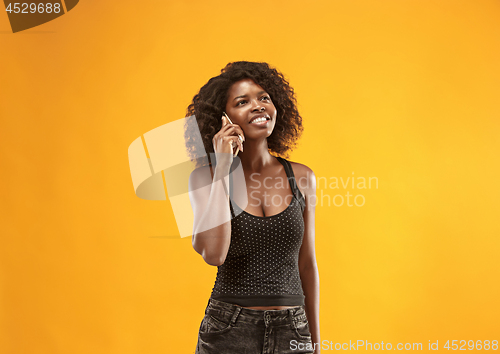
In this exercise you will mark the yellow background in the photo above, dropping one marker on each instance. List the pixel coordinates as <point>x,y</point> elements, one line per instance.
<point>405,91</point>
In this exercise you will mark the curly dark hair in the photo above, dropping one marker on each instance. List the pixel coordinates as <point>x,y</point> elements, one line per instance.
<point>207,107</point>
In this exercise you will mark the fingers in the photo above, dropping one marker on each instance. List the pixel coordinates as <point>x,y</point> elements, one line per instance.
<point>227,140</point>
<point>240,142</point>
<point>239,138</point>
<point>235,143</point>
<point>232,128</point>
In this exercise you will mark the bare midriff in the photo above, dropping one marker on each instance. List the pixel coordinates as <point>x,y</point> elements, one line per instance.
<point>269,307</point>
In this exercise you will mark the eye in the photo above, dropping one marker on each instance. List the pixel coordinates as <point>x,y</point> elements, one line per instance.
<point>240,102</point>
<point>265,98</point>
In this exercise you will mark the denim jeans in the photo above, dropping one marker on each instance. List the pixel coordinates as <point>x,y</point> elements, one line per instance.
<point>230,329</point>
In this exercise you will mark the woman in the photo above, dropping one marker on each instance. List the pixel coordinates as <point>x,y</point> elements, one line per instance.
<point>266,294</point>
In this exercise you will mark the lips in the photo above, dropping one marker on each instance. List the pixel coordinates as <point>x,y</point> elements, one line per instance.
<point>259,116</point>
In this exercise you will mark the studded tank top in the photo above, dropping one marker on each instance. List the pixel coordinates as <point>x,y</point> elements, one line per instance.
<point>261,266</point>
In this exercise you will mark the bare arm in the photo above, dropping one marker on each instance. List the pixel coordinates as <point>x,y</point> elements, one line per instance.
<point>307,259</point>
<point>209,199</point>
<point>211,226</point>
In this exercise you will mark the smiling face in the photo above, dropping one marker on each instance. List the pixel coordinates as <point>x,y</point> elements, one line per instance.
<point>249,106</point>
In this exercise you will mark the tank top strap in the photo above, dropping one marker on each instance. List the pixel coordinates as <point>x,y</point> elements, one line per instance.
<point>293,183</point>
<point>233,215</point>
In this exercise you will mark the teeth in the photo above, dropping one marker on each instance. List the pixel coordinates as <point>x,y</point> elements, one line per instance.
<point>258,120</point>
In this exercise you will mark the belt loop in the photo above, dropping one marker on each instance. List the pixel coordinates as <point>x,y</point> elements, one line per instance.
<point>235,314</point>
<point>290,314</point>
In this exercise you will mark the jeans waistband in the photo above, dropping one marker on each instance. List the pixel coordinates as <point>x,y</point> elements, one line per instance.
<point>276,317</point>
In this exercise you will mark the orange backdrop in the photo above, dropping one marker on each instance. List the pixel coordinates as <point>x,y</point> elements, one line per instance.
<point>404,91</point>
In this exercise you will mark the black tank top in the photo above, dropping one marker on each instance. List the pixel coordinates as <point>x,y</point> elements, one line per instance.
<point>261,266</point>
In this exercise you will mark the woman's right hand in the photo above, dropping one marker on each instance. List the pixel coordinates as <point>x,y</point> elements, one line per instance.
<point>226,136</point>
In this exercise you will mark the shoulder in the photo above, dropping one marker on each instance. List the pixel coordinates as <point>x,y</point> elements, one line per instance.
<point>305,177</point>
<point>302,171</point>
<point>299,168</point>
<point>200,177</point>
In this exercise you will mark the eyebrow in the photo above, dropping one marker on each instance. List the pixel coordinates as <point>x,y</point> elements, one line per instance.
<point>242,96</point>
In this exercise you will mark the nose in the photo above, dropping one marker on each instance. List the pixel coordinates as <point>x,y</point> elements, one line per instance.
<point>258,107</point>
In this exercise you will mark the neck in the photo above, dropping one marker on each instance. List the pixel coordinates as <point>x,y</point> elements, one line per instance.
<point>255,156</point>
